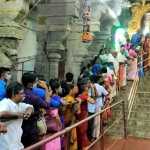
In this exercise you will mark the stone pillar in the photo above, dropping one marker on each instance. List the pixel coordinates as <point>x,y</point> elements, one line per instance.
<point>76,52</point>
<point>55,50</point>
<point>54,59</point>
<point>58,28</point>
<point>76,69</point>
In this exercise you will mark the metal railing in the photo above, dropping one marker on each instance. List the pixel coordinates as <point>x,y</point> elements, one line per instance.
<point>102,130</point>
<point>132,96</point>
<point>134,88</point>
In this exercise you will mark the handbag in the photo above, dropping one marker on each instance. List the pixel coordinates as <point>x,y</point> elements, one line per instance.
<point>41,125</point>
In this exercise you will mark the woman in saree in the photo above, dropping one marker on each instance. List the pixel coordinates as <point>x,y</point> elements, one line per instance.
<point>53,118</point>
<point>71,108</point>
<point>110,80</point>
<point>55,144</point>
<point>113,65</point>
<point>122,69</point>
<point>83,98</point>
<point>132,65</point>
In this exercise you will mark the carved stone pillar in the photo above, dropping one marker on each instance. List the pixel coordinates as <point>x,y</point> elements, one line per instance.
<point>11,13</point>
<point>76,69</point>
<point>55,49</point>
<point>54,59</point>
<point>58,29</point>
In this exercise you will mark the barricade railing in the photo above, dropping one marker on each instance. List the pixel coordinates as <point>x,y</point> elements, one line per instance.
<point>102,130</point>
<point>134,88</point>
<point>132,96</point>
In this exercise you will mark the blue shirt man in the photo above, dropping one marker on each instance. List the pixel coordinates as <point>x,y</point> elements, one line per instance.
<point>5,77</point>
<point>2,89</point>
<point>96,69</point>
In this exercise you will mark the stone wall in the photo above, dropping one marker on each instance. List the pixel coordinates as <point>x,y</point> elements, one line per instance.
<point>27,50</point>
<point>11,13</point>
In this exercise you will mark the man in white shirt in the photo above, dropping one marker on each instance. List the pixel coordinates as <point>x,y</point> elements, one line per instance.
<point>91,108</point>
<point>101,94</point>
<point>15,111</point>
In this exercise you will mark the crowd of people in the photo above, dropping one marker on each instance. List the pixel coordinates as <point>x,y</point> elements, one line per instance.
<point>34,108</point>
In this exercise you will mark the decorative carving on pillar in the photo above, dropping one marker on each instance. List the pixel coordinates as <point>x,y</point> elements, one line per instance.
<point>11,13</point>
<point>138,12</point>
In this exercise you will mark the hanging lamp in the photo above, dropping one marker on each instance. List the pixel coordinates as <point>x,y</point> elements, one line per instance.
<point>86,35</point>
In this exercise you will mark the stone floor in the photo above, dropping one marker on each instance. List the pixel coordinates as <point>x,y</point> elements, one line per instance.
<point>122,144</point>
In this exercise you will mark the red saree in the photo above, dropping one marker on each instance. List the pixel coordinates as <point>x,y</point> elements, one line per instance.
<point>82,129</point>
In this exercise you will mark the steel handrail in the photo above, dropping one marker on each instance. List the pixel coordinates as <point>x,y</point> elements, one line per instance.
<point>143,92</point>
<point>133,90</point>
<point>132,95</point>
<point>130,106</point>
<point>64,131</point>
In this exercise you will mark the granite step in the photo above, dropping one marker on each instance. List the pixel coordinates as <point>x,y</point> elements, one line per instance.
<point>141,108</point>
<point>140,116</point>
<point>143,100</point>
<point>143,95</point>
